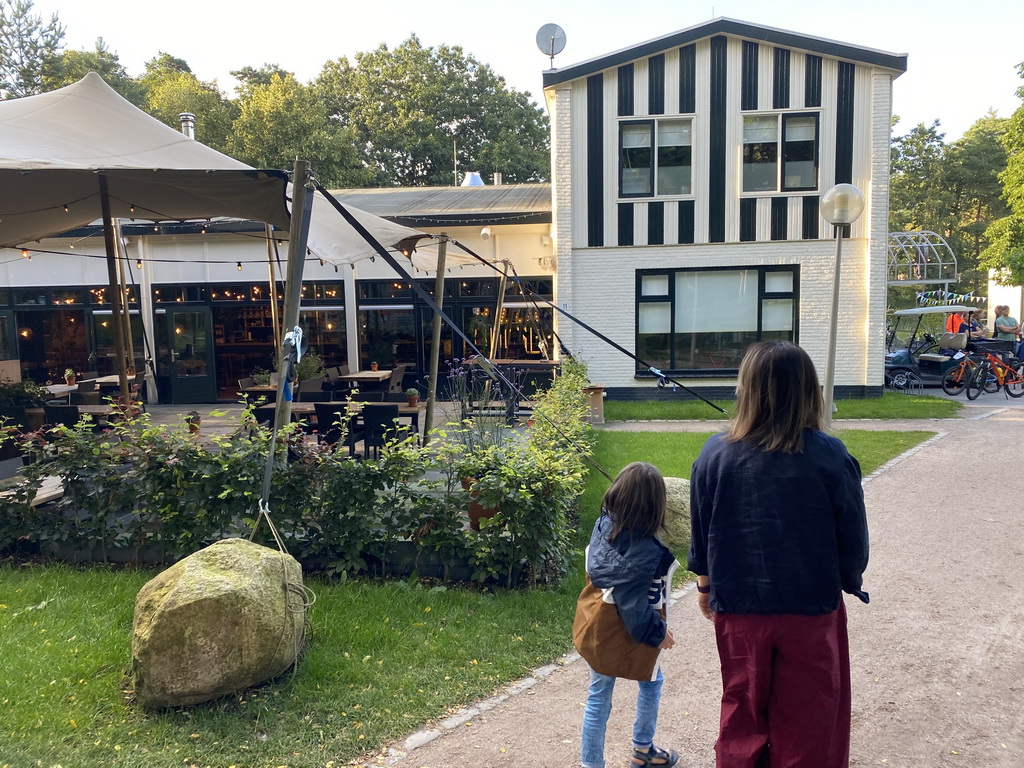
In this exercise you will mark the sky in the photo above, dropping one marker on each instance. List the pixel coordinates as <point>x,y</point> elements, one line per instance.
<point>962,54</point>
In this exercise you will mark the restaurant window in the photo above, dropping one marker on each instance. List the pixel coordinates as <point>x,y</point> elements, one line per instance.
<point>105,357</point>
<point>98,295</point>
<point>324,331</point>
<point>477,288</point>
<point>179,294</point>
<point>780,152</point>
<point>387,336</point>
<point>383,289</point>
<point>655,158</point>
<point>703,320</point>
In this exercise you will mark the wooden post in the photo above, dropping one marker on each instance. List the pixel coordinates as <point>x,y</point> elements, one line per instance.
<point>115,289</point>
<point>435,337</point>
<point>302,206</point>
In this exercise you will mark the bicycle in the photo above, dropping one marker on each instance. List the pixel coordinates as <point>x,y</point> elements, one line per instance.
<point>1007,374</point>
<point>955,380</point>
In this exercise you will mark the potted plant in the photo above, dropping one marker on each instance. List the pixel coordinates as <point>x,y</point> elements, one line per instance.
<point>414,395</point>
<point>194,422</point>
<point>260,375</point>
<point>374,366</point>
<point>69,376</point>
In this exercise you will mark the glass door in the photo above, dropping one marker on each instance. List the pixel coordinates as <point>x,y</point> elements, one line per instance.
<point>185,368</point>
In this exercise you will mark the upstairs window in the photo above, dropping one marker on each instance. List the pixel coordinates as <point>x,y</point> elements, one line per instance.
<point>655,158</point>
<point>780,152</point>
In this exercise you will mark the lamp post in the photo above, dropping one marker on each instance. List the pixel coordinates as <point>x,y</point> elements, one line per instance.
<point>840,205</point>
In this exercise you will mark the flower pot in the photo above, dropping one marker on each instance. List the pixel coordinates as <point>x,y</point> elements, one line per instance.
<point>69,380</point>
<point>374,366</point>
<point>477,511</point>
<point>414,400</point>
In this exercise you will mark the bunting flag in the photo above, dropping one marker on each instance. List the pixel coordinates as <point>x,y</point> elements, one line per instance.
<point>940,298</point>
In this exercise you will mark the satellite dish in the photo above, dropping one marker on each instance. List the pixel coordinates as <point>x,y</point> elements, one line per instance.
<point>551,41</point>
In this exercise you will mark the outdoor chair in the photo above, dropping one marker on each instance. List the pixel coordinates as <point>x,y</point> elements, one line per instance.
<point>397,376</point>
<point>311,390</point>
<point>60,414</point>
<point>329,417</point>
<point>248,381</point>
<point>380,422</point>
<point>12,416</point>
<point>87,394</point>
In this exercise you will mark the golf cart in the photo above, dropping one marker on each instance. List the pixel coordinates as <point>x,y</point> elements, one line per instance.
<point>921,356</point>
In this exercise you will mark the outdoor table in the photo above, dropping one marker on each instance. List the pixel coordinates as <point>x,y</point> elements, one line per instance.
<point>304,411</point>
<point>61,390</point>
<point>373,377</point>
<point>261,390</point>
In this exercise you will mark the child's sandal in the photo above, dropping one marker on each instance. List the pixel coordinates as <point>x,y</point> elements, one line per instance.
<point>654,758</point>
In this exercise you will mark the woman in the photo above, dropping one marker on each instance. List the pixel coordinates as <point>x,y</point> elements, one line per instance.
<point>779,531</point>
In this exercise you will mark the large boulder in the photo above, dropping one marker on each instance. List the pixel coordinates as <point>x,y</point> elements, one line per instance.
<point>223,619</point>
<point>677,517</point>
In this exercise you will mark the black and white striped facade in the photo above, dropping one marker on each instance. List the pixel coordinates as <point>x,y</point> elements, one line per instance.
<point>710,84</point>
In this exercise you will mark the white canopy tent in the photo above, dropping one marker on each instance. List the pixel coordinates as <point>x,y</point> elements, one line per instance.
<point>54,145</point>
<point>83,153</point>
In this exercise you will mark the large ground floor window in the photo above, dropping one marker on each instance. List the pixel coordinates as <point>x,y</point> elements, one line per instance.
<point>703,320</point>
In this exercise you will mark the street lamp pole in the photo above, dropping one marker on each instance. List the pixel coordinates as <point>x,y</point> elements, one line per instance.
<point>841,205</point>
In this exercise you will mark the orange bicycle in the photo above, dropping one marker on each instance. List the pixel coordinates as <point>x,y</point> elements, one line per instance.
<point>1005,373</point>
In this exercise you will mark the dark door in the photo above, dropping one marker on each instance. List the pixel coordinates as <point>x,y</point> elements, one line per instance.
<point>185,367</point>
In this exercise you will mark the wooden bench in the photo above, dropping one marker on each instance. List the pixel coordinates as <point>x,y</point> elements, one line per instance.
<point>51,490</point>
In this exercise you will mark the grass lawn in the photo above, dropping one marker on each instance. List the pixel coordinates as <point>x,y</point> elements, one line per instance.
<point>891,405</point>
<point>383,658</point>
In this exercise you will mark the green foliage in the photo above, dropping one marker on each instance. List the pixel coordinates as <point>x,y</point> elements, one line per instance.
<point>169,91</point>
<point>156,493</point>
<point>1005,252</point>
<point>22,394</point>
<point>284,119</point>
<point>26,43</point>
<point>408,106</point>
<point>71,66</point>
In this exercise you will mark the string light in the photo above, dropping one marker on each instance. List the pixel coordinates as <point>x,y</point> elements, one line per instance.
<point>131,208</point>
<point>138,263</point>
<point>65,208</point>
<point>239,265</point>
<point>25,254</point>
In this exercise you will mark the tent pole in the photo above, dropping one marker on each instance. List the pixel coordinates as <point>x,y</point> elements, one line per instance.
<point>115,289</point>
<point>122,267</point>
<point>302,206</point>
<point>435,336</point>
<point>274,320</point>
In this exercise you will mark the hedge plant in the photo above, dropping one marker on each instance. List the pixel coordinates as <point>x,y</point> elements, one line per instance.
<point>141,490</point>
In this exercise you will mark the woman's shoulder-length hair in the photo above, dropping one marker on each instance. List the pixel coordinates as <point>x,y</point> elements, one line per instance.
<point>777,397</point>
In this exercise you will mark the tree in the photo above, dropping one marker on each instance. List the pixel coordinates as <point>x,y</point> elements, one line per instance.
<point>250,78</point>
<point>413,107</point>
<point>283,120</point>
<point>917,199</point>
<point>1005,253</point>
<point>71,66</point>
<point>171,88</point>
<point>26,43</point>
<point>971,175</point>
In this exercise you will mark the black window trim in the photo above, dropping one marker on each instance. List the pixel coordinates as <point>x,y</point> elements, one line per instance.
<point>670,298</point>
<point>781,115</point>
<point>653,194</point>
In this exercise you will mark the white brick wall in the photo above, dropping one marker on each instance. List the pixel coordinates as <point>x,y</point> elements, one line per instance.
<point>606,277</point>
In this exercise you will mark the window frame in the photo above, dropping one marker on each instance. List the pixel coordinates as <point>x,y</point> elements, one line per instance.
<point>652,172</point>
<point>669,297</point>
<point>782,117</point>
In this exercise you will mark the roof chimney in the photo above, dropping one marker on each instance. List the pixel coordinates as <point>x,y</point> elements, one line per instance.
<point>472,179</point>
<point>188,124</point>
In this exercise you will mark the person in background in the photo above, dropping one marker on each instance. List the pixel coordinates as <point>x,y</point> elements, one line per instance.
<point>779,532</point>
<point>1006,328</point>
<point>953,322</point>
<point>628,561</point>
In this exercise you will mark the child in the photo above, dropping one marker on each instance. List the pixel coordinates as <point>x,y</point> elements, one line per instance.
<point>633,568</point>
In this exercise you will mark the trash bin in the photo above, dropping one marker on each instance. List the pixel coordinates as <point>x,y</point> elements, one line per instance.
<point>595,402</point>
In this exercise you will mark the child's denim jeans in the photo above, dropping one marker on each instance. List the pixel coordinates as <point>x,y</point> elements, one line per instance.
<point>599,706</point>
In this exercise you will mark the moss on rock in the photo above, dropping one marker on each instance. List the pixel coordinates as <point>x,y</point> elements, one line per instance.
<point>220,620</point>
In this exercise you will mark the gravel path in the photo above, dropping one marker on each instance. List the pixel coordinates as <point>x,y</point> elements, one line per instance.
<point>937,657</point>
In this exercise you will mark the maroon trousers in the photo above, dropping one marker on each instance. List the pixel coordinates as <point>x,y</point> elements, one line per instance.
<point>785,691</point>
